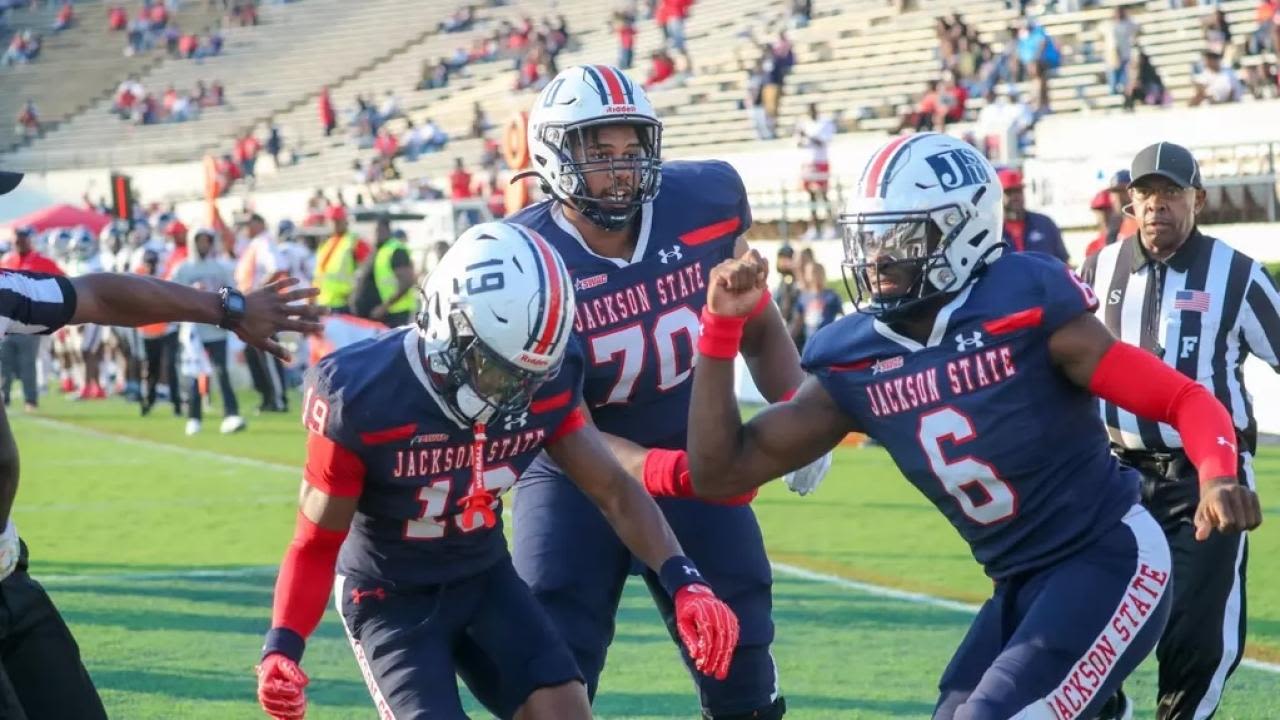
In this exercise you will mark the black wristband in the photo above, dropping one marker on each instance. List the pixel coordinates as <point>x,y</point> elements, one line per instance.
<point>284,641</point>
<point>677,572</point>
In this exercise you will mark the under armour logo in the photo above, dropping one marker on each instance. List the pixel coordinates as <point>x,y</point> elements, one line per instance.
<point>516,421</point>
<point>690,570</point>
<point>1188,346</point>
<point>357,595</point>
<point>673,254</point>
<point>965,343</point>
<point>1226,443</point>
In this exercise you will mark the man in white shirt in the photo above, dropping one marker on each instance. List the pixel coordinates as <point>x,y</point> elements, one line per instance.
<point>263,262</point>
<point>814,135</point>
<point>1002,122</point>
<point>1216,83</point>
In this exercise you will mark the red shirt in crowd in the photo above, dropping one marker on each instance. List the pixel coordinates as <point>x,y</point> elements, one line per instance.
<point>663,68</point>
<point>65,14</point>
<point>459,184</point>
<point>32,262</point>
<point>117,19</point>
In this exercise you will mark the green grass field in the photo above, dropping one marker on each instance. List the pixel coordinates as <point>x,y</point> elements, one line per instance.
<point>160,551</point>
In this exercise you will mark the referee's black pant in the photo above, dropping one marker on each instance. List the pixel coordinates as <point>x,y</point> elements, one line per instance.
<point>43,676</point>
<point>1204,640</point>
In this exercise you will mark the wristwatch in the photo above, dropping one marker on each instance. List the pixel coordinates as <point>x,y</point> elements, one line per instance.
<point>232,308</point>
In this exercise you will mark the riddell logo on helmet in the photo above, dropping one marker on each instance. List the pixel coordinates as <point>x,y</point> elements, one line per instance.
<point>613,109</point>
<point>533,360</point>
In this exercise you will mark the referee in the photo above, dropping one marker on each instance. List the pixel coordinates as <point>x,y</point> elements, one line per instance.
<point>41,676</point>
<point>1203,307</point>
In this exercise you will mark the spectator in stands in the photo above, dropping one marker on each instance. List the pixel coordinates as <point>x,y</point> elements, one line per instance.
<point>624,25</point>
<point>183,108</point>
<point>952,99</point>
<point>1217,31</point>
<point>217,94</point>
<point>1024,230</point>
<point>754,101</point>
<point>1261,81</point>
<point>328,118</point>
<point>386,144</point>
<point>1118,37</point>
<point>28,121</point>
<point>1144,83</point>
<point>246,155</point>
<point>479,121</point>
<point>1215,83</point>
<point>1003,124</point>
<point>670,16</point>
<point>117,18</point>
<point>274,145</point>
<point>925,113</point>
<point>1266,38</point>
<point>819,304</point>
<point>813,136</point>
<point>389,109</point>
<point>460,181</point>
<point>661,69</point>
<point>1037,57</point>
<point>946,38</point>
<point>66,15</point>
<point>434,138</point>
<point>801,13</point>
<point>23,48</point>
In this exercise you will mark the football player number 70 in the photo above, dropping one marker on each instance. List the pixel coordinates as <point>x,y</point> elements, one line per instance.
<point>628,347</point>
<point>966,477</point>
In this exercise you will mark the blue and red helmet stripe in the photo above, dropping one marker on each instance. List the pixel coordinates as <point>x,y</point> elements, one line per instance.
<point>551,296</point>
<point>594,75</point>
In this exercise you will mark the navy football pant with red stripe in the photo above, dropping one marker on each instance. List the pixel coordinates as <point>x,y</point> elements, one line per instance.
<point>1054,644</point>
<point>576,566</point>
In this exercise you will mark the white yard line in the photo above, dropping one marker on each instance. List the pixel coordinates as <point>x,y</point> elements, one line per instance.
<point>783,568</point>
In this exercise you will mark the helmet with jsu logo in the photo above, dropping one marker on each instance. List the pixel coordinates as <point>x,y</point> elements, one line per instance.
<point>926,217</point>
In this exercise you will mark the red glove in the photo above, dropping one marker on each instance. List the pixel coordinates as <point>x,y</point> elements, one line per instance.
<point>708,629</point>
<point>280,687</point>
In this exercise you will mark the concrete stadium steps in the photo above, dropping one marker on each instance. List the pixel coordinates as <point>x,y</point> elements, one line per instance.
<point>77,66</point>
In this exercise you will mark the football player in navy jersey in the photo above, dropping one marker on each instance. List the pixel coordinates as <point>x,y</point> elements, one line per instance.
<point>413,436</point>
<point>639,237</point>
<point>977,371</point>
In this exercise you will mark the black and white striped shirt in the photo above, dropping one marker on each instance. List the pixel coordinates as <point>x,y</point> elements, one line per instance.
<point>33,303</point>
<point>1203,311</point>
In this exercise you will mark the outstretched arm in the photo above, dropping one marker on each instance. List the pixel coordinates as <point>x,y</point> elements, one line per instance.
<point>725,457</point>
<point>129,300</point>
<point>1137,381</point>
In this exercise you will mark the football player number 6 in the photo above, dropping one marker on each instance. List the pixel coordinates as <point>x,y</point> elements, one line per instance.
<point>965,477</point>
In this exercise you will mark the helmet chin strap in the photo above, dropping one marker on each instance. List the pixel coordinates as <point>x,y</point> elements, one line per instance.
<point>477,507</point>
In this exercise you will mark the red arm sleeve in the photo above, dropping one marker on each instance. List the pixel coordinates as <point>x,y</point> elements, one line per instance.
<point>307,571</point>
<point>1137,381</point>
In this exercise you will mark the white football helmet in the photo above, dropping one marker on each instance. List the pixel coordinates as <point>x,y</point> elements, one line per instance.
<point>495,319</point>
<point>928,203</point>
<point>575,101</point>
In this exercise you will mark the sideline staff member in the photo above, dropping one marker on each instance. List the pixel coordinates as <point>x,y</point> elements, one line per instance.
<point>42,676</point>
<point>1203,307</point>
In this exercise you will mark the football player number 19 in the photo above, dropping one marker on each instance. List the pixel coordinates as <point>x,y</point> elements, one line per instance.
<point>434,499</point>
<point>967,477</point>
<point>628,347</point>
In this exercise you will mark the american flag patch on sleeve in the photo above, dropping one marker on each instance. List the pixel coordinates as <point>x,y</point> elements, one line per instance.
<point>1193,300</point>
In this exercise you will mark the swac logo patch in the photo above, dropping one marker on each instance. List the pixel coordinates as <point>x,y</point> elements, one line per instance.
<point>958,168</point>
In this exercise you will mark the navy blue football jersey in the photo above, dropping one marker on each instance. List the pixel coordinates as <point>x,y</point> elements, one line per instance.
<point>373,401</point>
<point>980,419</point>
<point>639,319</point>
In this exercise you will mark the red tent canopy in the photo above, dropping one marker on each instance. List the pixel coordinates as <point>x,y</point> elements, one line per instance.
<point>60,216</point>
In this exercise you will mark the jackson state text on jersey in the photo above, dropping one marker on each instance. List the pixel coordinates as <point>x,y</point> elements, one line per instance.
<point>639,320</point>
<point>371,398</point>
<point>981,421</point>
